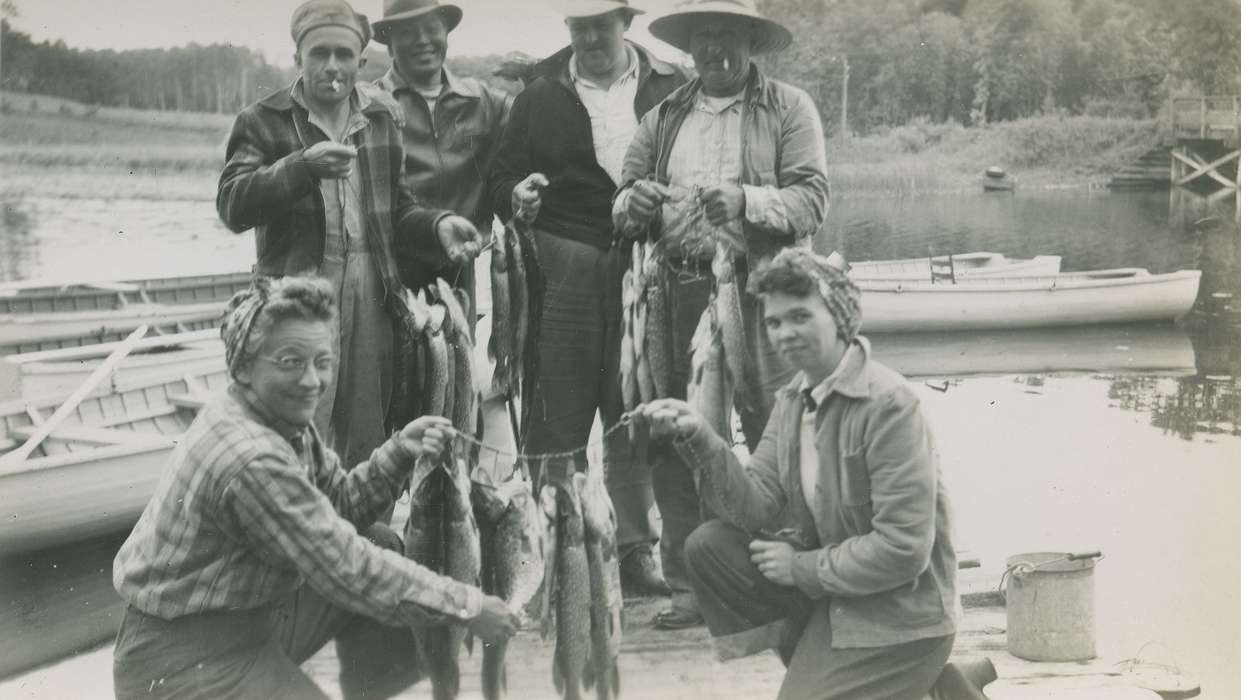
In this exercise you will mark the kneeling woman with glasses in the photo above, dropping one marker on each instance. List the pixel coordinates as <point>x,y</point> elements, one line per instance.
<point>257,547</point>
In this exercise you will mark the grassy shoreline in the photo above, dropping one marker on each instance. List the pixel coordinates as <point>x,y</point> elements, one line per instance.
<point>64,151</point>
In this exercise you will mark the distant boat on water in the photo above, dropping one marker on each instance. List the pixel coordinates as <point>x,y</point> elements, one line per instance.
<point>996,180</point>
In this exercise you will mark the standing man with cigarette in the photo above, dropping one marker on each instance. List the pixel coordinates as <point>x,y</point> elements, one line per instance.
<point>750,151</point>
<point>560,160</point>
<point>316,169</point>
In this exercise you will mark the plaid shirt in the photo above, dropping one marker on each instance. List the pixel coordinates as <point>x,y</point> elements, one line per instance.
<point>266,185</point>
<point>247,509</point>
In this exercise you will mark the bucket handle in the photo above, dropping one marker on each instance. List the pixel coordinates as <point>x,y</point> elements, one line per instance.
<point>1025,568</point>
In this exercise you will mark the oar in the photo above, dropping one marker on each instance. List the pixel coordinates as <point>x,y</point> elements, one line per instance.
<point>94,380</point>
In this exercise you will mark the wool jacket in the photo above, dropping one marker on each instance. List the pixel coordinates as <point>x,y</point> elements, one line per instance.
<point>880,555</point>
<point>782,146</point>
<point>265,185</point>
<point>549,132</point>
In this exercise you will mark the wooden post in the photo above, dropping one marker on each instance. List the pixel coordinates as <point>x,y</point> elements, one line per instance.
<point>844,99</point>
<point>1202,118</point>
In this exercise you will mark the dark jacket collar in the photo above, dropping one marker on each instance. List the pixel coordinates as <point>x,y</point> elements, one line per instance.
<point>758,90</point>
<point>556,66</point>
<point>393,81</point>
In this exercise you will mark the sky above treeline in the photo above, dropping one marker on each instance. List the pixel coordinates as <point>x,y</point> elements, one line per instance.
<point>489,26</point>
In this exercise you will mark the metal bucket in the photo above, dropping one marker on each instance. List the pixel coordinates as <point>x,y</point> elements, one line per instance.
<point>1050,605</point>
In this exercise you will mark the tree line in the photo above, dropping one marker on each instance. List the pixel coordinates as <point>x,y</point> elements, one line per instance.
<point>889,62</point>
<point>868,64</point>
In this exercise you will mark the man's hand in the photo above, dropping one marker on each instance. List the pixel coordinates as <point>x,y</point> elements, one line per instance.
<point>460,239</point>
<point>671,418</point>
<point>723,204</point>
<point>645,199</point>
<point>328,160</point>
<point>526,199</point>
<point>425,436</point>
<point>496,622</point>
<point>774,561</point>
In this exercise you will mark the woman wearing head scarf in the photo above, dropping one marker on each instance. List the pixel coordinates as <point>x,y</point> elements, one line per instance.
<point>248,557</point>
<point>833,542</point>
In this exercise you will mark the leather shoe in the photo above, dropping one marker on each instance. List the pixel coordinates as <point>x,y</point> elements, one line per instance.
<point>640,575</point>
<point>673,619</point>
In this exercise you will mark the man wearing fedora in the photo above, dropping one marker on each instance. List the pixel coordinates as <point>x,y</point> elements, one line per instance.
<point>451,131</point>
<point>746,153</point>
<point>560,161</point>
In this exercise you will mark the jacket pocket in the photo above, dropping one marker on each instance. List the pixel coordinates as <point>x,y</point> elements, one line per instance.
<point>855,492</point>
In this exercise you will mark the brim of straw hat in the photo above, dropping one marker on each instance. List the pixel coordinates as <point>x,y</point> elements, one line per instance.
<point>675,28</point>
<point>580,9</point>
<point>451,13</point>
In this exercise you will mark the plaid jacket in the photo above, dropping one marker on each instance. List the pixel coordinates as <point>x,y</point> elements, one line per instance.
<point>243,514</point>
<point>266,186</point>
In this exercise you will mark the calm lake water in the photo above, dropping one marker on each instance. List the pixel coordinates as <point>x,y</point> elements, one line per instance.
<point>1139,457</point>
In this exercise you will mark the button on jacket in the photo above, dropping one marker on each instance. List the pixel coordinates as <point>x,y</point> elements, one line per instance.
<point>883,560</point>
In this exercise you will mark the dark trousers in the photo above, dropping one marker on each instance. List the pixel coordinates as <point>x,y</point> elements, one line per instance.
<point>256,653</point>
<point>579,374</point>
<point>673,480</point>
<point>737,601</point>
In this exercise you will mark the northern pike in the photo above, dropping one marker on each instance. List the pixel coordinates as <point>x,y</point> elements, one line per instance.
<point>728,316</point>
<point>548,508</point>
<point>628,359</point>
<point>658,338</point>
<point>606,598</point>
<point>572,594</point>
<point>464,416</point>
<point>500,346</point>
<point>513,568</point>
<point>438,368</point>
<point>709,390</point>
<point>520,298</point>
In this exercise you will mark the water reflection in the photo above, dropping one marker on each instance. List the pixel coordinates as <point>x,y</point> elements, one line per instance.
<point>16,240</point>
<point>1187,407</point>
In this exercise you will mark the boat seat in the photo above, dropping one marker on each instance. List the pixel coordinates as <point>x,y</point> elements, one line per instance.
<point>193,401</point>
<point>87,434</point>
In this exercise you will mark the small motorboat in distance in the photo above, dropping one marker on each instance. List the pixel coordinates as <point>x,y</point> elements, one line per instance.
<point>961,265</point>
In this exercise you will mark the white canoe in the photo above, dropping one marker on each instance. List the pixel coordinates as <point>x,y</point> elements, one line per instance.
<point>1075,298</point>
<point>95,473</point>
<point>963,265</point>
<point>47,295</point>
<point>58,372</point>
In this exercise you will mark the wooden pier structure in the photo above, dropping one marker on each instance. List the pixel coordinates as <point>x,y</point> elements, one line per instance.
<point>1208,140</point>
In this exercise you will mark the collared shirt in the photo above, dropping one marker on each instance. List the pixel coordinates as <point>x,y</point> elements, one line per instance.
<point>342,197</point>
<point>612,117</point>
<point>849,364</point>
<point>241,517</point>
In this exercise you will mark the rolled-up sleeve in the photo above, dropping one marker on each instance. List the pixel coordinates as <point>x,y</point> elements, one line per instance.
<point>900,459</point>
<point>749,496</point>
<point>801,185</point>
<point>283,516</point>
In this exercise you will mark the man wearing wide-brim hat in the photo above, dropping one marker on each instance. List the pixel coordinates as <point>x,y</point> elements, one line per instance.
<point>452,126</point>
<point>732,163</point>
<point>559,166</point>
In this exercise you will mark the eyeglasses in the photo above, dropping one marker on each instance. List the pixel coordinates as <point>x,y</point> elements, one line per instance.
<point>292,364</point>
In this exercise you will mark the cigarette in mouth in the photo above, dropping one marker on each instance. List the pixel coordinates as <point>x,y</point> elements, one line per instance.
<point>726,64</point>
<point>335,86</point>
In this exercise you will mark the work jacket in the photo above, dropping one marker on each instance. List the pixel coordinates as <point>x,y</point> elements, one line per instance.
<point>880,553</point>
<point>265,185</point>
<point>549,132</point>
<point>782,146</point>
<point>448,156</point>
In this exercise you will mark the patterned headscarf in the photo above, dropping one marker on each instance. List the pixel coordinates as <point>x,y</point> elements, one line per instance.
<point>239,318</point>
<point>843,298</point>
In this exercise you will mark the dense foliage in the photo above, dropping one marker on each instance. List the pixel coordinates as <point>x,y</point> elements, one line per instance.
<point>979,61</point>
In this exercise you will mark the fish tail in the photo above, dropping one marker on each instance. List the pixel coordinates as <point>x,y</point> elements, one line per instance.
<point>495,674</point>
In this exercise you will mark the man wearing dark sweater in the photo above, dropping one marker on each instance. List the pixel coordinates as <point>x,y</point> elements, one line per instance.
<point>558,165</point>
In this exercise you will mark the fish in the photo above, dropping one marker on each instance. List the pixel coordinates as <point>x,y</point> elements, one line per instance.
<point>549,509</point>
<point>500,345</point>
<point>438,371</point>
<point>464,416</point>
<point>426,534</point>
<point>516,565</point>
<point>710,392</point>
<point>606,597</point>
<point>520,299</point>
<point>628,360</point>
<point>728,316</point>
<point>572,651</point>
<point>658,338</point>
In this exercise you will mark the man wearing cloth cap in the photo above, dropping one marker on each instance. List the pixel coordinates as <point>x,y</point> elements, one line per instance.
<point>560,159</point>
<point>451,131</point>
<point>834,543</point>
<point>736,159</point>
<point>316,169</point>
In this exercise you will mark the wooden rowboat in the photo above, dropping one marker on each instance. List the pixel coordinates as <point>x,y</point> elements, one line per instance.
<point>96,471</point>
<point>41,315</point>
<point>57,372</point>
<point>977,264</point>
<point>1103,296</point>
